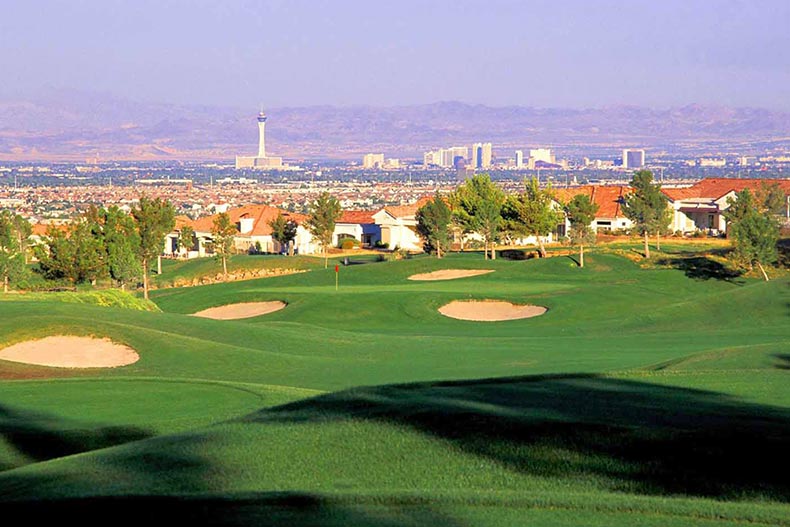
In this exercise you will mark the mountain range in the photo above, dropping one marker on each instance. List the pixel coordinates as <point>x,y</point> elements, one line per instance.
<point>72,125</point>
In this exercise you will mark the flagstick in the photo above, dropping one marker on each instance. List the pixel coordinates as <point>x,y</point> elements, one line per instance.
<point>337,275</point>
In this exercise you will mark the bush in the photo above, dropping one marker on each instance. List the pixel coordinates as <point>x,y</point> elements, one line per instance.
<point>349,243</point>
<point>381,245</point>
<point>517,254</point>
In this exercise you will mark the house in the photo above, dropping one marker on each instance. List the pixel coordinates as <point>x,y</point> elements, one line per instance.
<point>701,206</point>
<point>359,225</point>
<point>252,223</point>
<point>609,199</point>
<point>399,226</point>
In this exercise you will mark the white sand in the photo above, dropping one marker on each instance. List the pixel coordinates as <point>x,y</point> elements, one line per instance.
<point>450,274</point>
<point>242,310</point>
<point>71,352</point>
<point>489,310</point>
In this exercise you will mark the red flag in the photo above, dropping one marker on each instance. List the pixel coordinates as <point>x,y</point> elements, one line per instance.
<point>337,268</point>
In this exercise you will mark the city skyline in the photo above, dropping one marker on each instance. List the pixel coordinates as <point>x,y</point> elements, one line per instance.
<point>501,53</point>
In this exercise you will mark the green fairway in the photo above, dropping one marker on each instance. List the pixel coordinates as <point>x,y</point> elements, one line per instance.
<point>643,396</point>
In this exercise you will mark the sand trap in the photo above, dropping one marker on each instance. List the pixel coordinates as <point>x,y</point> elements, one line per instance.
<point>71,352</point>
<point>450,274</point>
<point>242,310</point>
<point>489,310</point>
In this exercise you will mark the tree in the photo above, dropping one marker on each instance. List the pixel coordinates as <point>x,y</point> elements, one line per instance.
<point>223,231</point>
<point>77,254</point>
<point>581,213</point>
<point>121,241</point>
<point>154,218</point>
<point>323,214</point>
<point>283,230</point>
<point>647,207</point>
<point>12,248</point>
<point>186,238</point>
<point>433,225</point>
<point>532,213</point>
<point>477,206</point>
<point>755,232</point>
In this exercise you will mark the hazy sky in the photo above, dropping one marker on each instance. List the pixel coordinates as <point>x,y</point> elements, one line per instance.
<point>498,52</point>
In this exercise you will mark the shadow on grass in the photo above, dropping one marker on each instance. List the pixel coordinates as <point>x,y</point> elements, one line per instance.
<point>625,435</point>
<point>702,268</point>
<point>41,437</point>
<point>260,509</point>
<point>784,361</point>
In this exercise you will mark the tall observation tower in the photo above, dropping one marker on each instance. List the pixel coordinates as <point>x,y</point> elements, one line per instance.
<point>261,161</point>
<point>261,134</point>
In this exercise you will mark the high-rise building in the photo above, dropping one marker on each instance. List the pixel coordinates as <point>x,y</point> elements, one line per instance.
<point>519,159</point>
<point>373,161</point>
<point>633,158</point>
<point>541,154</point>
<point>481,155</point>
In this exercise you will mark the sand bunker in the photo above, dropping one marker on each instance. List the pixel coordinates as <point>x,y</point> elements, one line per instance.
<point>243,310</point>
<point>489,310</point>
<point>71,352</point>
<point>450,274</point>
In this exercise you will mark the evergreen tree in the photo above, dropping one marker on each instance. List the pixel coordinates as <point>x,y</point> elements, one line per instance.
<point>223,232</point>
<point>647,207</point>
<point>324,213</point>
<point>433,225</point>
<point>154,218</point>
<point>477,206</point>
<point>754,231</point>
<point>121,241</point>
<point>186,238</point>
<point>581,213</point>
<point>283,230</point>
<point>13,242</point>
<point>532,213</point>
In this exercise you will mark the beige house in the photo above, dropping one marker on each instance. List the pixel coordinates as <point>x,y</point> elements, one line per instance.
<point>252,223</point>
<point>399,226</point>
<point>701,206</point>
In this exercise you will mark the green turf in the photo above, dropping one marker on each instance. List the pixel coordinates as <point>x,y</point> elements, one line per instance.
<point>644,396</point>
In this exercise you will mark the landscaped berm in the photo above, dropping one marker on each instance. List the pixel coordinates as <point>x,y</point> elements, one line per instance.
<point>650,394</point>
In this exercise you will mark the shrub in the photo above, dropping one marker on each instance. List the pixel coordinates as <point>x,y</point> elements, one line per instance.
<point>349,243</point>
<point>381,245</point>
<point>517,254</point>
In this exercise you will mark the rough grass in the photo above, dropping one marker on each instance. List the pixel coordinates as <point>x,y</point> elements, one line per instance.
<point>643,397</point>
<point>104,298</point>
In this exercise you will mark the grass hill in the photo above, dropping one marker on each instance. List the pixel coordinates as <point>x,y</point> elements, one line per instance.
<point>642,397</point>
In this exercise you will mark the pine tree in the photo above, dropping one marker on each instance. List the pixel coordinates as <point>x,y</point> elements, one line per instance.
<point>154,218</point>
<point>477,206</point>
<point>324,213</point>
<point>581,213</point>
<point>223,232</point>
<point>647,207</point>
<point>433,225</point>
<point>532,213</point>
<point>283,230</point>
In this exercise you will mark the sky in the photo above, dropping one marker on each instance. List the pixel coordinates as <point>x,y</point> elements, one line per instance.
<point>543,53</point>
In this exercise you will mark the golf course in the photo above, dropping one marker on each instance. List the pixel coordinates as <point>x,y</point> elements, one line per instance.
<point>614,394</point>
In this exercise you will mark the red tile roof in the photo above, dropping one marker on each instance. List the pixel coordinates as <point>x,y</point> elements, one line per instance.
<point>261,215</point>
<point>608,198</point>
<point>361,217</point>
<point>715,188</point>
<point>406,211</point>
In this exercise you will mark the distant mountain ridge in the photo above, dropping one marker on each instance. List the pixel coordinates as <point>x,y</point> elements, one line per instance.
<point>73,125</point>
